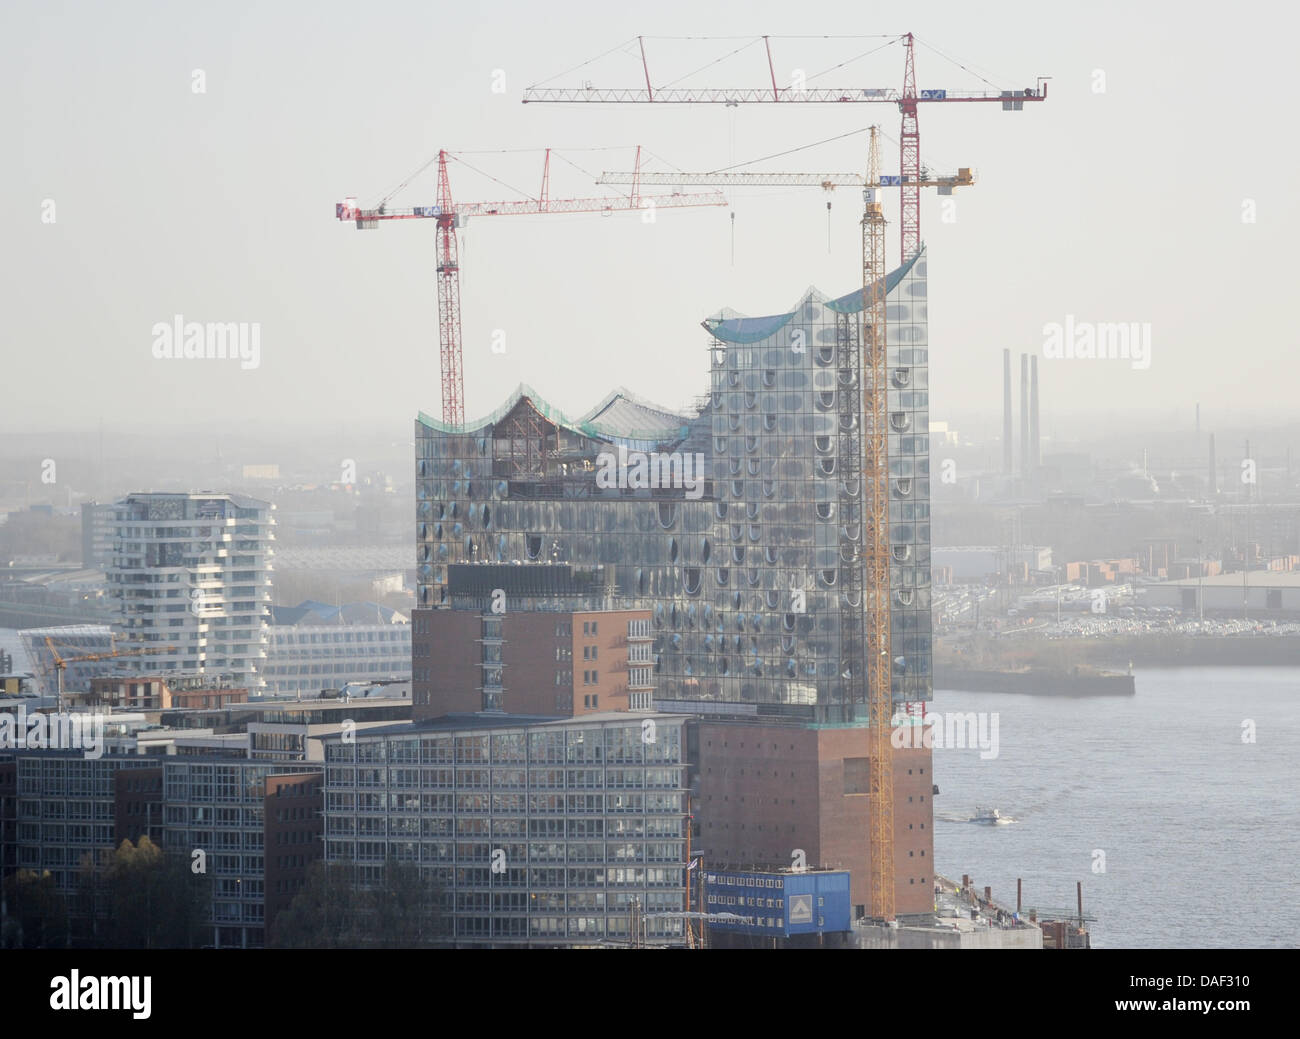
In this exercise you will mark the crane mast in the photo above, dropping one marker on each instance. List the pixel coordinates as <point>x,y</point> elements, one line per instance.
<point>880,699</point>
<point>453,383</point>
<point>910,160</point>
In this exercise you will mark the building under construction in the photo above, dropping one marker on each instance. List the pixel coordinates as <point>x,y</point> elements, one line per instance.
<point>740,529</point>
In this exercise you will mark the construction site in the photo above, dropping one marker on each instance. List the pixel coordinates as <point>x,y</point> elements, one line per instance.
<point>788,604</point>
<point>747,583</point>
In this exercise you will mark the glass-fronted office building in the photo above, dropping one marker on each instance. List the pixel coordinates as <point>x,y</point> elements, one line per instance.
<point>534,830</point>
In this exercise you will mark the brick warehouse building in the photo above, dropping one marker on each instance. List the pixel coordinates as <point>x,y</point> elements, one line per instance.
<point>765,791</point>
<point>741,536</point>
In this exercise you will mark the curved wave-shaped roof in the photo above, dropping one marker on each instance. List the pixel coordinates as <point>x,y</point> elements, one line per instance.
<point>620,416</point>
<point>745,330</point>
<point>623,413</point>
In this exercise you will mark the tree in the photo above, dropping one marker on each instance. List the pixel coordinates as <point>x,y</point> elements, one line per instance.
<point>154,901</point>
<point>404,909</point>
<point>334,911</point>
<point>324,914</point>
<point>36,913</point>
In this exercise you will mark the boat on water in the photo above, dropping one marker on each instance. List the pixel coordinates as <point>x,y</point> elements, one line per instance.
<point>989,816</point>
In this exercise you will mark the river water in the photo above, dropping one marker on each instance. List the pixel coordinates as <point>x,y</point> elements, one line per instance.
<point>1184,834</point>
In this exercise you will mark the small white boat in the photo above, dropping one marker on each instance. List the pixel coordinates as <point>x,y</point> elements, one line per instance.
<point>988,816</point>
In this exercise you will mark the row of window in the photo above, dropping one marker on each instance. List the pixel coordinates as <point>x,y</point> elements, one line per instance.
<point>394,633</point>
<point>519,804</point>
<point>507,854</point>
<point>616,744</point>
<point>59,833</point>
<point>344,820</point>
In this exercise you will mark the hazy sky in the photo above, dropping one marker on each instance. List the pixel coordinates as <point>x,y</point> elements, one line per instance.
<point>1118,206</point>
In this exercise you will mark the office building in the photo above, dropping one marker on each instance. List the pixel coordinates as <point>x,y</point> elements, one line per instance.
<point>537,831</point>
<point>230,810</point>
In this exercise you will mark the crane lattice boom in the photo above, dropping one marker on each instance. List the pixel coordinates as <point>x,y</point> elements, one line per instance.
<point>908,100</point>
<point>450,216</point>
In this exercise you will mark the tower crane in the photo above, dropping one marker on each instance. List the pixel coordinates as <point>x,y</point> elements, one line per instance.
<point>61,662</point>
<point>873,343</point>
<point>908,100</point>
<point>450,216</point>
<point>875,481</point>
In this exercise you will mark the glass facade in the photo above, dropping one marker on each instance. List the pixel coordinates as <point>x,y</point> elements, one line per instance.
<point>547,833</point>
<point>753,576</point>
<point>65,810</point>
<point>217,807</point>
<point>307,659</point>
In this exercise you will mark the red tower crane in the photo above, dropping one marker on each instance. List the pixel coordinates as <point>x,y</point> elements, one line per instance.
<point>450,216</point>
<point>908,100</point>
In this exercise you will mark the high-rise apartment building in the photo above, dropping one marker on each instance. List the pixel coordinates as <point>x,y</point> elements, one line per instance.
<point>193,572</point>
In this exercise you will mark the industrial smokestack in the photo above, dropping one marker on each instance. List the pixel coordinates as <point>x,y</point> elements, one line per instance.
<point>1214,471</point>
<point>1033,414</point>
<point>1008,465</point>
<point>1024,414</point>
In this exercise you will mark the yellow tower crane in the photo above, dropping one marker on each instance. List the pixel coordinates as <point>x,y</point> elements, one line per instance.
<point>880,699</point>
<point>61,663</point>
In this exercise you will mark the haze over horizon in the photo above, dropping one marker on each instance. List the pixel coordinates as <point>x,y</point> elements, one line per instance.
<point>1124,205</point>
